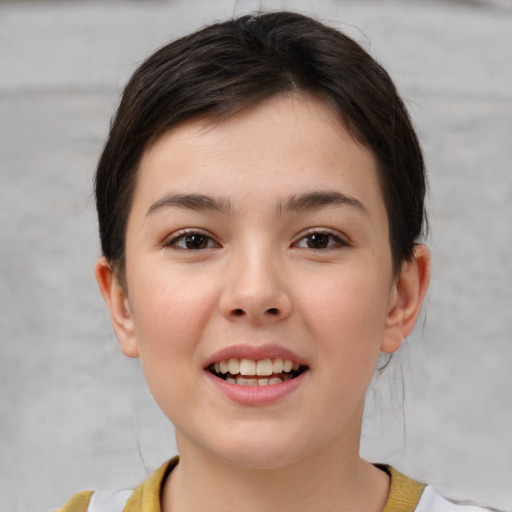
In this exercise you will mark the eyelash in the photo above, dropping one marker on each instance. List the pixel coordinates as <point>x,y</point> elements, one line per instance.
<point>174,242</point>
<point>333,240</point>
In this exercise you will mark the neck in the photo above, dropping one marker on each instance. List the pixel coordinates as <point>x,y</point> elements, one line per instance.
<point>329,479</point>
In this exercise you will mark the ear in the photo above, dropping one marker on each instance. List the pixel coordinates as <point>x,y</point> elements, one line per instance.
<point>406,299</point>
<point>116,299</point>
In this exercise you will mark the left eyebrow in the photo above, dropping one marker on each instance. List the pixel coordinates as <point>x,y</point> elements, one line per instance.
<point>316,200</point>
<point>192,202</point>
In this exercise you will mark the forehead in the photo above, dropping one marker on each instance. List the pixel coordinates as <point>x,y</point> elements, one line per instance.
<point>285,145</point>
<point>289,136</point>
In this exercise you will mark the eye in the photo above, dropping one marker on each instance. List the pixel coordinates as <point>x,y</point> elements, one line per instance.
<point>192,241</point>
<point>320,240</point>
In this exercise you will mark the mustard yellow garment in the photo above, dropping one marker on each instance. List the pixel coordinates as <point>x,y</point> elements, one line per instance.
<point>404,493</point>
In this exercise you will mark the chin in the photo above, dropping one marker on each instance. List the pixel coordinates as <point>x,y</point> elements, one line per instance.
<point>260,453</point>
<point>259,460</point>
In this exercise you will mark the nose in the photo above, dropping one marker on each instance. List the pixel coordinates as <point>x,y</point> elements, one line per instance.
<point>255,290</point>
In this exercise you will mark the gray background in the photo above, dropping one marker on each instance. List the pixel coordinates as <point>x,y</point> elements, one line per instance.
<point>75,414</point>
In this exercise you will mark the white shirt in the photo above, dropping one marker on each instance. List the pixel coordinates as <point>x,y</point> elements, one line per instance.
<point>430,501</point>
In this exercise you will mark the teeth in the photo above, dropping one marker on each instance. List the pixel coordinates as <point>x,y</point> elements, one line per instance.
<point>277,370</point>
<point>241,381</point>
<point>287,366</point>
<point>246,382</point>
<point>264,367</point>
<point>277,366</point>
<point>248,367</point>
<point>224,367</point>
<point>234,366</point>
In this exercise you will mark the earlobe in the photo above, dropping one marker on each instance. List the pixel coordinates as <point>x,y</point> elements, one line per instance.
<point>406,299</point>
<point>117,302</point>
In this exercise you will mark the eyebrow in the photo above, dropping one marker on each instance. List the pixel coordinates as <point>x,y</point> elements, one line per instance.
<point>295,203</point>
<point>316,200</point>
<point>192,202</point>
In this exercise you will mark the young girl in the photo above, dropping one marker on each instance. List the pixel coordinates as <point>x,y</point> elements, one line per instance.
<point>260,201</point>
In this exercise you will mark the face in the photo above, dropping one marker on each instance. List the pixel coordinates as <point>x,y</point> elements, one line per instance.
<point>259,283</point>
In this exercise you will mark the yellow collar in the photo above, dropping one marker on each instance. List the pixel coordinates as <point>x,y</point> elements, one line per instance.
<point>146,497</point>
<point>404,493</point>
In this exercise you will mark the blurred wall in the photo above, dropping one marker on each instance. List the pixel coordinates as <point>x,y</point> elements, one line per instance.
<point>75,414</point>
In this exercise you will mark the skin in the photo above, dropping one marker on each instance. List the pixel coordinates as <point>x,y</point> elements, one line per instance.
<point>258,279</point>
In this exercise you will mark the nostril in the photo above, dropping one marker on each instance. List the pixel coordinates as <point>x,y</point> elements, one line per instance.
<point>238,312</point>
<point>273,311</point>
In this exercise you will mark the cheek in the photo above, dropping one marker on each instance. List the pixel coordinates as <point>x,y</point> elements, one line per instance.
<point>169,317</point>
<point>352,297</point>
<point>348,316</point>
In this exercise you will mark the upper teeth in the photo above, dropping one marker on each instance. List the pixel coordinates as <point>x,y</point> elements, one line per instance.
<point>264,367</point>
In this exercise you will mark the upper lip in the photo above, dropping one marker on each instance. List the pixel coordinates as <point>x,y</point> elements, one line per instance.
<point>256,353</point>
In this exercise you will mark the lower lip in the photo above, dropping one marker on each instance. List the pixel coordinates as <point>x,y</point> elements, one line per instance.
<point>256,395</point>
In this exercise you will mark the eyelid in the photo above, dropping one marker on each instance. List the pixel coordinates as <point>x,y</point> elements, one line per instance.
<point>341,239</point>
<point>170,242</point>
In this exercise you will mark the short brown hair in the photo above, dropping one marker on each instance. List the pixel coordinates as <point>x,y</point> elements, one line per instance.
<point>227,66</point>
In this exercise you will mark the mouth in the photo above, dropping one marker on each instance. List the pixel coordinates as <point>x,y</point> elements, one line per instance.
<point>250,372</point>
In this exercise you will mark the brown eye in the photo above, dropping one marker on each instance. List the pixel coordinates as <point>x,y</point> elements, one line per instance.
<point>320,240</point>
<point>192,242</point>
<point>195,241</point>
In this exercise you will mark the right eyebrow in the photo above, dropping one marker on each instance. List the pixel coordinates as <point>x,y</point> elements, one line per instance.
<point>192,202</point>
<point>317,199</point>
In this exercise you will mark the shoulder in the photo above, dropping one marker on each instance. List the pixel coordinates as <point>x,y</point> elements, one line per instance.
<point>99,501</point>
<point>145,498</point>
<point>408,495</point>
<point>432,501</point>
<point>78,503</point>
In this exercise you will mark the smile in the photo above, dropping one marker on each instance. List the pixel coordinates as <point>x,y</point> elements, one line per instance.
<point>249,372</point>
